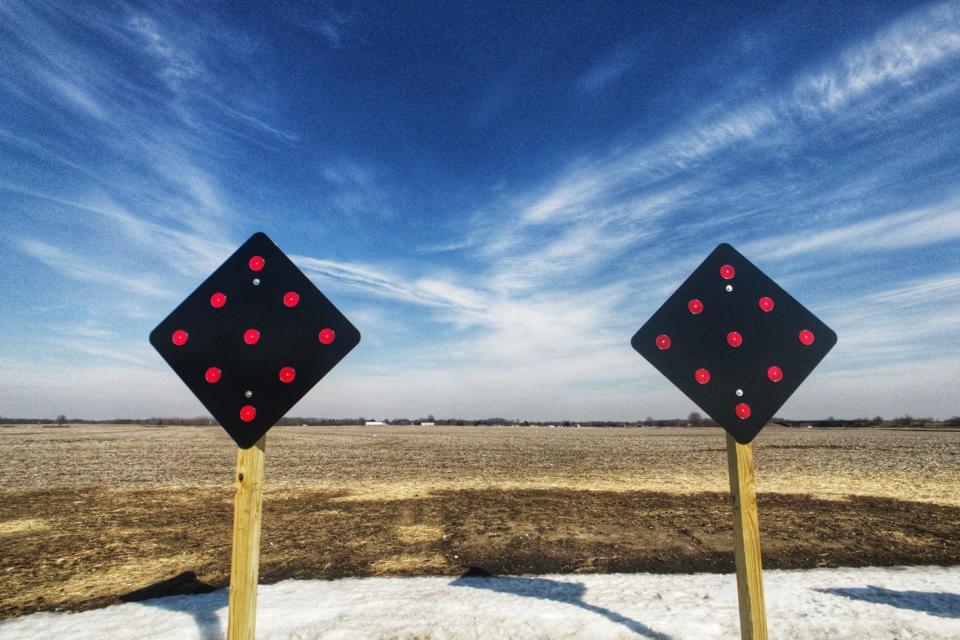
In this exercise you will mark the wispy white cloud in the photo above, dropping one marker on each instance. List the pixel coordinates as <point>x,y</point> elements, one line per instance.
<point>85,329</point>
<point>159,132</point>
<point>73,94</point>
<point>899,54</point>
<point>610,68</point>
<point>176,64</point>
<point>367,278</point>
<point>885,389</point>
<point>895,55</point>
<point>926,292</point>
<point>80,268</point>
<point>255,122</point>
<point>356,190</point>
<point>445,246</point>
<point>183,250</point>
<point>914,228</point>
<point>575,253</point>
<point>329,24</point>
<point>101,352</point>
<point>896,323</point>
<point>177,51</point>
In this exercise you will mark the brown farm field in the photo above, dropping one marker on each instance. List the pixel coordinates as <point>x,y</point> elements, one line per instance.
<point>92,514</point>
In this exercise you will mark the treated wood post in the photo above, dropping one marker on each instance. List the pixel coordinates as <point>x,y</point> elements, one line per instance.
<point>746,541</point>
<point>245,561</point>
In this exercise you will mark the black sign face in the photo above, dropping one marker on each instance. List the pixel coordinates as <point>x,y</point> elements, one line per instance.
<point>253,339</point>
<point>734,342</point>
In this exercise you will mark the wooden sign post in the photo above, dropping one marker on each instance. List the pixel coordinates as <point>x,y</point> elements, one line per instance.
<point>738,345</point>
<point>250,342</point>
<point>746,541</point>
<point>245,557</point>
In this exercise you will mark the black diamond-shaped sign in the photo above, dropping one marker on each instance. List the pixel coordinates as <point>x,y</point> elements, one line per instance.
<point>253,339</point>
<point>734,342</point>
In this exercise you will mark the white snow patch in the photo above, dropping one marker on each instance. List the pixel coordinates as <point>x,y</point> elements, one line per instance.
<point>874,603</point>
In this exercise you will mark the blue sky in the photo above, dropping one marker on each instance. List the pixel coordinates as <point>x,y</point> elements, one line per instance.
<point>497,195</point>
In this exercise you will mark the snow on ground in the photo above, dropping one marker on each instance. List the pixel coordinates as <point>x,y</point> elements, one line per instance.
<point>871,603</point>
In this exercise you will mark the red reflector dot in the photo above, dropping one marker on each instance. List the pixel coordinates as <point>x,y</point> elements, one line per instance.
<point>217,300</point>
<point>212,375</point>
<point>287,374</point>
<point>256,263</point>
<point>742,410</point>
<point>179,337</point>
<point>765,304</point>
<point>727,272</point>
<point>695,306</point>
<point>663,342</point>
<point>248,413</point>
<point>702,376</point>
<point>251,336</point>
<point>806,337</point>
<point>291,299</point>
<point>775,373</point>
<point>327,336</point>
<point>734,339</point>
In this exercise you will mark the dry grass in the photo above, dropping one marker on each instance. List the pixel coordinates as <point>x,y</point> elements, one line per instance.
<point>91,513</point>
<point>22,525</point>
<point>405,462</point>
<point>414,533</point>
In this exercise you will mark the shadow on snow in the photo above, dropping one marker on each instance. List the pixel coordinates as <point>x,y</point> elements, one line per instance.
<point>177,594</point>
<point>541,588</point>
<point>943,605</point>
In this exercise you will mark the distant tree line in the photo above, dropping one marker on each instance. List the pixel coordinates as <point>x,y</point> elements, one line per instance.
<point>903,421</point>
<point>694,419</point>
